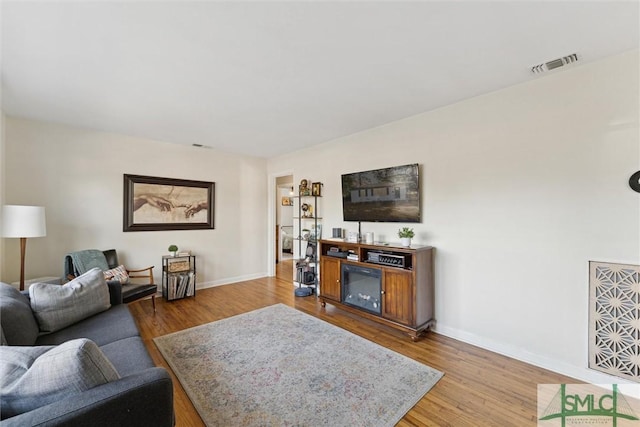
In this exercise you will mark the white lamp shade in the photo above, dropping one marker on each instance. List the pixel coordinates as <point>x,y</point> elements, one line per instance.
<point>23,221</point>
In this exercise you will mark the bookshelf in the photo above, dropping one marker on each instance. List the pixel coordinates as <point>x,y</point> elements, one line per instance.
<point>178,277</point>
<point>308,229</point>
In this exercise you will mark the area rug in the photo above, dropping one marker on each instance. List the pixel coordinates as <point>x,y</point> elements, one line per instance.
<point>277,366</point>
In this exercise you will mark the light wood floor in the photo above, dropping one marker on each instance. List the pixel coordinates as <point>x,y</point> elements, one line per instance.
<point>479,388</point>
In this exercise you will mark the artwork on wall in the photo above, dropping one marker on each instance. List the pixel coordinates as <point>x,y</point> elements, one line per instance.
<point>614,319</point>
<point>153,204</point>
<point>287,201</point>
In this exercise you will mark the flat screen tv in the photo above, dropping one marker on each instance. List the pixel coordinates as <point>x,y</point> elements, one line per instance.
<point>382,195</point>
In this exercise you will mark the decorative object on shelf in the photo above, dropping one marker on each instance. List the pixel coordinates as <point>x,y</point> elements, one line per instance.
<point>153,204</point>
<point>634,182</point>
<point>179,265</point>
<point>352,236</point>
<point>287,201</point>
<point>316,189</point>
<point>406,234</point>
<point>305,234</point>
<point>304,188</point>
<point>307,210</point>
<point>23,222</point>
<point>368,237</point>
<point>316,233</point>
<point>336,233</point>
<point>173,249</point>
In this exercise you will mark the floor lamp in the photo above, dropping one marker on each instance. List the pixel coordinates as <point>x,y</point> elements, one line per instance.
<point>23,222</point>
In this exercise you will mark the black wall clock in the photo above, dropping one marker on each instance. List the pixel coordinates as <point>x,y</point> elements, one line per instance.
<point>634,182</point>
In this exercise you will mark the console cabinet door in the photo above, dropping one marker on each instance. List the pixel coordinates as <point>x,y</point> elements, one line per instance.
<point>330,278</point>
<point>398,296</point>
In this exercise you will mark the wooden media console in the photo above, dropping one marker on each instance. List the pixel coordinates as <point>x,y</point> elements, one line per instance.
<point>392,285</point>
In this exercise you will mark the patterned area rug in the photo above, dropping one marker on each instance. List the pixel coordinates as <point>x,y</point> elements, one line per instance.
<point>279,366</point>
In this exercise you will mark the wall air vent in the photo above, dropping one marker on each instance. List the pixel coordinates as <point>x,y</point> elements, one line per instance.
<point>556,63</point>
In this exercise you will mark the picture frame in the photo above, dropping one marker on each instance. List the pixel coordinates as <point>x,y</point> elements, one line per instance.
<point>158,204</point>
<point>316,189</point>
<point>287,201</point>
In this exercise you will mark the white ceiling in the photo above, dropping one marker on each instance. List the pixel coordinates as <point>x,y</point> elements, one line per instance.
<point>264,78</point>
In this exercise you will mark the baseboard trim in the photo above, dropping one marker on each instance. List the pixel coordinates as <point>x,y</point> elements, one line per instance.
<point>578,372</point>
<point>229,280</point>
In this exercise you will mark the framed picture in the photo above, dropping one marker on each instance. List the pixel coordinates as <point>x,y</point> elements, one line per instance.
<point>287,201</point>
<point>153,204</point>
<point>316,189</point>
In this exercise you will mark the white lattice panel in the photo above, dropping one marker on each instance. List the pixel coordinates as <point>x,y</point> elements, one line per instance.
<point>614,319</point>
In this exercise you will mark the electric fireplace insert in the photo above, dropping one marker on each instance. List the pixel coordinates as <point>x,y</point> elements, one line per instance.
<point>361,287</point>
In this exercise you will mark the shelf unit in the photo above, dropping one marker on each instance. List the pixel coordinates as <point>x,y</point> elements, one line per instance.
<point>178,277</point>
<point>308,230</point>
<point>406,292</point>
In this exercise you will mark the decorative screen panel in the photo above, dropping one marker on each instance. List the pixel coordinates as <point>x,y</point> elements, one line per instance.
<point>614,319</point>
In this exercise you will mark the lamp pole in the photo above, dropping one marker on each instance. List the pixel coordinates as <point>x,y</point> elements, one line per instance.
<point>23,250</point>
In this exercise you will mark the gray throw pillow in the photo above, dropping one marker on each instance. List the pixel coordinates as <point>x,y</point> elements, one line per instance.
<point>31,377</point>
<point>18,325</point>
<point>56,307</point>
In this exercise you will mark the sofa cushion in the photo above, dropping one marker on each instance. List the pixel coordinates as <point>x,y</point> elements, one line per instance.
<point>19,327</point>
<point>56,307</point>
<point>128,356</point>
<point>118,274</point>
<point>103,328</point>
<point>31,377</point>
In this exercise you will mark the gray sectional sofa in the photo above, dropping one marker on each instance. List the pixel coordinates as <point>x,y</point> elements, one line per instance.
<point>137,394</point>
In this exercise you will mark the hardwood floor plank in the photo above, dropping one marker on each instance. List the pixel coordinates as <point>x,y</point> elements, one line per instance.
<point>480,388</point>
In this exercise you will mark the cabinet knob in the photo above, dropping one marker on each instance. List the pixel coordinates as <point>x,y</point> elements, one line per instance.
<point>382,292</point>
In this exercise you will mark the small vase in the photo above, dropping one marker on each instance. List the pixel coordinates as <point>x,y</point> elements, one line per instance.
<point>174,253</point>
<point>406,241</point>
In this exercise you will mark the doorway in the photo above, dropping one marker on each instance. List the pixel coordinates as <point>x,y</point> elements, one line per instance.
<point>284,239</point>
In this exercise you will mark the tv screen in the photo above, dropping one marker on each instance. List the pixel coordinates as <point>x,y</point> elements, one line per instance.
<point>382,195</point>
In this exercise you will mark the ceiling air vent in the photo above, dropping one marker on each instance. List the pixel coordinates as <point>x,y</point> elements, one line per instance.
<point>556,63</point>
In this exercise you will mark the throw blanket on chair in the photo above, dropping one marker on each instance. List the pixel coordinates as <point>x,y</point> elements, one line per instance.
<point>84,261</point>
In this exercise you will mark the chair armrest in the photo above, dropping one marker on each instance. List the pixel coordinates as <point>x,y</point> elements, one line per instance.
<point>145,398</point>
<point>143,269</point>
<point>148,276</point>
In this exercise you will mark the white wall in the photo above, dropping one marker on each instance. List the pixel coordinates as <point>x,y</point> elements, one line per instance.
<point>78,176</point>
<point>520,189</point>
<point>2,186</point>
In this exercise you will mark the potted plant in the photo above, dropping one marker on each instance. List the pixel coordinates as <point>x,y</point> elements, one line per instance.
<point>173,249</point>
<point>405,234</point>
